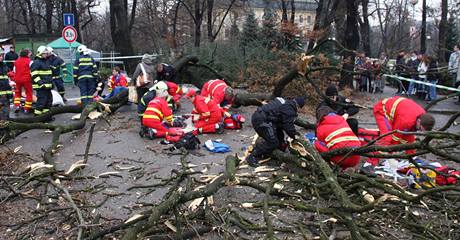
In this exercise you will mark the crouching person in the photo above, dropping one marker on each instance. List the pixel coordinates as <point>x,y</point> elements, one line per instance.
<point>157,119</point>
<point>207,115</point>
<point>270,121</point>
<point>333,132</point>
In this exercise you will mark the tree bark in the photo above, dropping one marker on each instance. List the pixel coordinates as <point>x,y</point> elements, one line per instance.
<point>119,29</point>
<point>209,18</point>
<point>292,11</point>
<point>49,6</point>
<point>423,31</point>
<point>198,21</point>
<point>442,32</point>
<point>351,37</point>
<point>284,11</point>
<point>365,28</point>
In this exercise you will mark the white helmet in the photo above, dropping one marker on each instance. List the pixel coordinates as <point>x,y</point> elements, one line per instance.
<point>49,49</point>
<point>161,88</point>
<point>82,49</point>
<point>41,50</point>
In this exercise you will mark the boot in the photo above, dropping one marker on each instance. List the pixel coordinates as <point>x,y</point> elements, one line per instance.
<point>252,160</point>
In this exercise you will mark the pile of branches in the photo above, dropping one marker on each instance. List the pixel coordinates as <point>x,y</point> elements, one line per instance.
<point>301,196</point>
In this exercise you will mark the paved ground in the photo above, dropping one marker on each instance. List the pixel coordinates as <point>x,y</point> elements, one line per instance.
<point>118,148</point>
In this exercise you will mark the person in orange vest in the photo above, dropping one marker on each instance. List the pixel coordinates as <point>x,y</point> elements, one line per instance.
<point>207,115</point>
<point>221,93</point>
<point>402,114</point>
<point>157,118</point>
<point>333,132</point>
<point>175,93</point>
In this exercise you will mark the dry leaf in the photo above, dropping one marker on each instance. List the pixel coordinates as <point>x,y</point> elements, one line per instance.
<point>195,203</point>
<point>136,216</point>
<point>368,197</point>
<point>170,226</point>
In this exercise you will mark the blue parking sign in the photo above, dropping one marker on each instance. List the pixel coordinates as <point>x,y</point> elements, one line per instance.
<point>69,19</point>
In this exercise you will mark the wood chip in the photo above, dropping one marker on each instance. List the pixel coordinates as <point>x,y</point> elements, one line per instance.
<point>94,115</point>
<point>278,186</point>
<point>170,226</point>
<point>334,220</point>
<point>77,165</point>
<point>263,169</point>
<point>136,216</point>
<point>17,149</point>
<point>247,205</point>
<point>195,203</point>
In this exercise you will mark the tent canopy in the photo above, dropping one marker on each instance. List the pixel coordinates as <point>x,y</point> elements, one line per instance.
<point>60,43</point>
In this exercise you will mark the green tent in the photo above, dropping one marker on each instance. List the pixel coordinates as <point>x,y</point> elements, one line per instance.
<point>60,43</point>
<point>67,52</point>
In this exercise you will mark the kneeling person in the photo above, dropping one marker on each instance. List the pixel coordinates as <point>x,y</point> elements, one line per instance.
<point>154,116</point>
<point>333,132</point>
<point>207,115</point>
<point>270,121</point>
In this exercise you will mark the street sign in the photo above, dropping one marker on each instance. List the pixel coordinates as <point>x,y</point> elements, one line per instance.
<point>69,19</point>
<point>69,34</point>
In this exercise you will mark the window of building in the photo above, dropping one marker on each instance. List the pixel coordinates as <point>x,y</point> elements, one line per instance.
<point>309,19</point>
<point>301,19</point>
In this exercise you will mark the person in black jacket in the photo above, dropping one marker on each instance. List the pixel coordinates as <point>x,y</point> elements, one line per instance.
<point>10,57</point>
<point>42,81</point>
<point>432,76</point>
<point>270,121</point>
<point>340,104</point>
<point>5,90</point>
<point>166,72</point>
<point>56,63</point>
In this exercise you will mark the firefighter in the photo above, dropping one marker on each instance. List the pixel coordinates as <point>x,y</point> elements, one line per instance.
<point>85,74</point>
<point>270,121</point>
<point>175,93</point>
<point>220,92</point>
<point>341,105</point>
<point>206,115</point>
<point>42,81</point>
<point>166,72</point>
<point>56,63</point>
<point>5,89</point>
<point>116,83</point>
<point>398,113</point>
<point>333,132</point>
<point>23,80</point>
<point>159,89</point>
<point>157,118</point>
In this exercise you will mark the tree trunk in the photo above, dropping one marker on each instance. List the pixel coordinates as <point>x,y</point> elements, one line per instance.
<point>351,37</point>
<point>198,21</point>
<point>442,32</point>
<point>365,28</point>
<point>209,25</point>
<point>284,11</point>
<point>423,32</point>
<point>292,11</point>
<point>119,29</point>
<point>49,6</point>
<point>74,10</point>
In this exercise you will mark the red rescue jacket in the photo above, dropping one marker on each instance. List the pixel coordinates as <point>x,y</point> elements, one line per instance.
<point>174,90</point>
<point>401,114</point>
<point>333,132</point>
<point>215,89</point>
<point>117,81</point>
<point>22,70</point>
<point>206,107</point>
<point>158,109</point>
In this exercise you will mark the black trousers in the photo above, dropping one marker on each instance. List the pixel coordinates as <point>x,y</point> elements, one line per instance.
<point>272,136</point>
<point>457,84</point>
<point>44,101</point>
<point>59,84</point>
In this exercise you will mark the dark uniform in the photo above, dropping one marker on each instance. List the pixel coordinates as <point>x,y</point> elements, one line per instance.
<point>341,106</point>
<point>85,73</point>
<point>168,73</point>
<point>270,121</point>
<point>5,92</point>
<point>11,57</point>
<point>42,82</point>
<point>144,102</point>
<point>56,64</point>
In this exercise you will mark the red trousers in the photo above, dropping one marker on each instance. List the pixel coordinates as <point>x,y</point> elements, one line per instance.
<point>208,125</point>
<point>367,135</point>
<point>348,162</point>
<point>157,125</point>
<point>18,94</point>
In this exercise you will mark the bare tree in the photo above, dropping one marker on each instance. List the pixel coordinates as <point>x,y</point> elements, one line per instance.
<point>119,27</point>
<point>423,31</point>
<point>443,31</point>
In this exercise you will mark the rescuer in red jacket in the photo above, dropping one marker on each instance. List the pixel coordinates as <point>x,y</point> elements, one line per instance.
<point>398,113</point>
<point>220,92</point>
<point>175,93</point>
<point>155,117</point>
<point>333,132</point>
<point>23,80</point>
<point>207,115</point>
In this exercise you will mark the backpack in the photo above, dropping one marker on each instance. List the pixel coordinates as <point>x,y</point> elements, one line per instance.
<point>187,141</point>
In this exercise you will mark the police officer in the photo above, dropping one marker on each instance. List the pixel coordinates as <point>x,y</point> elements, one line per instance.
<point>85,73</point>
<point>56,63</point>
<point>341,105</point>
<point>5,89</point>
<point>42,82</point>
<point>270,121</point>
